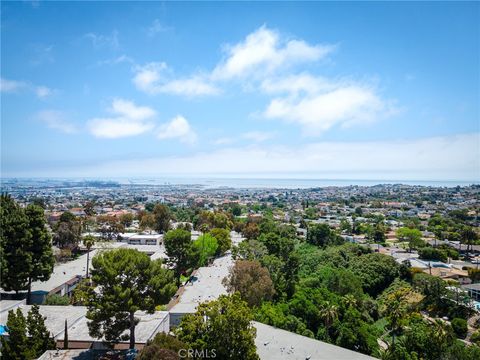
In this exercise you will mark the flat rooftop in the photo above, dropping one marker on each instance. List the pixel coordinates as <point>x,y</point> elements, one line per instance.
<point>207,285</point>
<point>147,327</point>
<point>64,272</point>
<point>277,344</point>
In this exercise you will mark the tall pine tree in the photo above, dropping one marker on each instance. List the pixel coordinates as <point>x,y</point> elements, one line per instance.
<point>42,259</point>
<point>27,338</point>
<point>128,281</point>
<point>40,339</point>
<point>15,242</point>
<point>15,346</point>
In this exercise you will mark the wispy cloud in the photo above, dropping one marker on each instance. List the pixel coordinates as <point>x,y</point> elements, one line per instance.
<point>103,40</point>
<point>128,120</point>
<point>177,128</point>
<point>41,54</point>
<point>116,60</point>
<point>16,86</point>
<point>12,86</point>
<point>56,120</point>
<point>155,28</point>
<point>156,78</point>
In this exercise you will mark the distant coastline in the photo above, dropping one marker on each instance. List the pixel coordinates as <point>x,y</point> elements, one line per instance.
<point>239,183</point>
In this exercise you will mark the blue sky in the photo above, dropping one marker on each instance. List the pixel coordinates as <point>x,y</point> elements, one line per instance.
<point>318,90</point>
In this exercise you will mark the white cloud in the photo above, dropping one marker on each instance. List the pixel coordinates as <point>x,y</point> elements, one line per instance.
<point>12,86</point>
<point>318,112</point>
<point>56,120</point>
<point>129,120</point>
<point>436,158</point>
<point>129,110</point>
<point>264,51</point>
<point>156,78</point>
<point>258,136</point>
<point>117,60</point>
<point>259,55</point>
<point>100,40</point>
<point>177,128</point>
<point>43,92</point>
<point>155,28</point>
<point>15,86</point>
<point>295,84</point>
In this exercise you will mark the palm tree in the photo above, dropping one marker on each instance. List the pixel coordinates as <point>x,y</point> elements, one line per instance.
<point>329,313</point>
<point>349,301</point>
<point>88,242</point>
<point>469,237</point>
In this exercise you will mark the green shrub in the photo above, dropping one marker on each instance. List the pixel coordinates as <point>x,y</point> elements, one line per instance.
<point>57,300</point>
<point>475,338</point>
<point>460,327</point>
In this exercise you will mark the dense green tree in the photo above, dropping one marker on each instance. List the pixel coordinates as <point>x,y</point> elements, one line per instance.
<point>460,327</point>
<point>412,236</point>
<point>339,281</point>
<point>82,292</point>
<point>356,334</point>
<point>223,239</point>
<point>321,235</point>
<point>162,217</point>
<point>212,220</point>
<point>180,250</point>
<point>67,216</point>
<point>433,288</point>
<point>277,245</point>
<point>42,259</point>
<point>206,246</point>
<point>15,246</point>
<point>376,271</point>
<point>251,280</point>
<point>128,281</point>
<point>378,234</point>
<point>228,316</point>
<point>429,340</point>
<point>68,234</point>
<point>236,210</point>
<point>16,346</point>
<point>27,338</point>
<point>430,253</point>
<point>163,346</point>
<point>40,339</point>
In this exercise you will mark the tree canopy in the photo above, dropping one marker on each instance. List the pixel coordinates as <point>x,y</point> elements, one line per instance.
<point>224,325</point>
<point>127,281</point>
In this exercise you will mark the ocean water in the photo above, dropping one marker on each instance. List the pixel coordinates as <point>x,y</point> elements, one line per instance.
<point>280,183</point>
